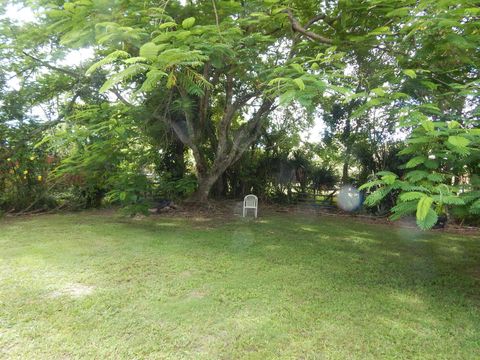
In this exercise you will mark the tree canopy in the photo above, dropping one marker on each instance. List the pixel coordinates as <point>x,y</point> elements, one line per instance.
<point>210,97</point>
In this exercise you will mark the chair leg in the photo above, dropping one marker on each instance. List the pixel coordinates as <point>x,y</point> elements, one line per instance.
<point>244,212</point>
<point>256,212</point>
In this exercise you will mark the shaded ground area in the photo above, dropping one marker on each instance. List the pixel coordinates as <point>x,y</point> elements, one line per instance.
<point>96,285</point>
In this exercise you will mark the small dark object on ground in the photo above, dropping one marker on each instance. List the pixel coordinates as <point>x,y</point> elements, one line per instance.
<point>441,222</point>
<point>163,205</point>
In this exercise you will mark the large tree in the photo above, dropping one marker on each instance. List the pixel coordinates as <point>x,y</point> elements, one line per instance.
<point>216,72</point>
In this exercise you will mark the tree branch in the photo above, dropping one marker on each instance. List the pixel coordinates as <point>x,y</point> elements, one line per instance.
<point>53,67</point>
<point>229,113</point>
<point>120,97</point>
<point>314,20</point>
<point>297,27</point>
<point>250,131</point>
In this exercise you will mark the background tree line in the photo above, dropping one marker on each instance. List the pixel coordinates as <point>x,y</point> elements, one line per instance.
<point>211,98</point>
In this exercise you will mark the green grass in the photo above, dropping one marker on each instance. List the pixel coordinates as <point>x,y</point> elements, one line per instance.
<point>98,286</point>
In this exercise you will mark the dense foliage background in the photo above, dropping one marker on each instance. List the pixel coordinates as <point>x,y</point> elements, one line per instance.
<point>197,99</point>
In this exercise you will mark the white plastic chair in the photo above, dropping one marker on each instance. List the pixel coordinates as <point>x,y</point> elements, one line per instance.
<point>250,202</point>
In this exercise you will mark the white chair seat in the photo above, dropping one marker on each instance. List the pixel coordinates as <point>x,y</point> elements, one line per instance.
<point>250,202</point>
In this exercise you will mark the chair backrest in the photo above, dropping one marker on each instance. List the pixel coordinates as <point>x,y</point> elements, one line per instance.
<point>250,201</point>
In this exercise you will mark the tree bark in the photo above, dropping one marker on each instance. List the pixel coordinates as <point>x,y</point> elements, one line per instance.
<point>346,163</point>
<point>205,184</point>
<point>348,142</point>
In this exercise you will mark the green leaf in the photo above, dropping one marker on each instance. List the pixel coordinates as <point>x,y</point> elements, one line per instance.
<point>171,80</point>
<point>340,89</point>
<point>128,73</point>
<point>402,209</point>
<point>298,68</point>
<point>356,96</point>
<point>448,23</point>
<point>453,124</point>
<point>188,23</point>
<point>383,173</point>
<point>168,25</point>
<point>164,37</point>
<point>435,177</point>
<point>410,73</point>
<point>431,164</point>
<point>379,91</point>
<point>371,184</point>
<point>419,140</point>
<point>389,179</point>
<point>377,196</point>
<point>277,81</point>
<point>423,206</point>
<point>400,12</point>
<point>149,50</point>
<point>380,31</point>
<point>136,59</point>
<point>411,195</point>
<point>259,14</point>
<point>429,85</point>
<point>413,162</point>
<point>407,151</point>
<point>287,97</point>
<point>153,78</point>
<point>299,82</point>
<point>458,141</point>
<point>449,199</point>
<point>410,187</point>
<point>118,54</point>
<point>432,108</point>
<point>428,125</point>
<point>182,34</point>
<point>428,221</point>
<point>475,207</point>
<point>416,175</point>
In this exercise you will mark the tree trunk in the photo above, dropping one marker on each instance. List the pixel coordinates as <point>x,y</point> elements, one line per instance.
<point>346,163</point>
<point>348,141</point>
<point>220,187</point>
<point>205,184</point>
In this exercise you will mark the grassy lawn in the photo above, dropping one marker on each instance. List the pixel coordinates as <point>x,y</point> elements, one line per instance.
<point>94,285</point>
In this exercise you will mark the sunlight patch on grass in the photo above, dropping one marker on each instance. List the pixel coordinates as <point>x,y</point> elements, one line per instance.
<point>410,299</point>
<point>73,290</point>
<point>309,229</point>
<point>166,224</point>
<point>359,240</point>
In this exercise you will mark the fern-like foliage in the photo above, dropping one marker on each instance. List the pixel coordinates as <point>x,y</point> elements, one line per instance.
<point>475,207</point>
<point>403,209</point>
<point>153,77</point>
<point>110,58</point>
<point>378,195</point>
<point>126,74</point>
<point>426,190</point>
<point>193,82</point>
